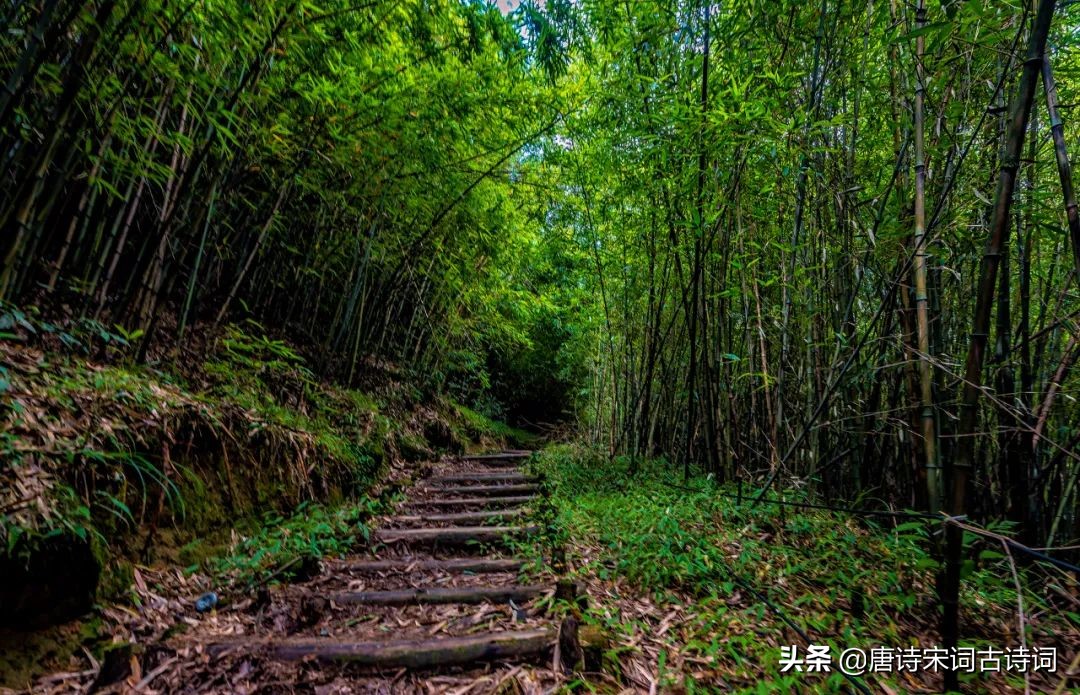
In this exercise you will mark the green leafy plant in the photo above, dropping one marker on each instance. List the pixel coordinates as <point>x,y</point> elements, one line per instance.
<point>313,530</point>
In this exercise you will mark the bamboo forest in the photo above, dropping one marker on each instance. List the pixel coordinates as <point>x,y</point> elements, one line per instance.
<point>539,346</point>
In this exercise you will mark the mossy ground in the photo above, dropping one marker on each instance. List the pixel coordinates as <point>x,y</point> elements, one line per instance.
<point>24,655</point>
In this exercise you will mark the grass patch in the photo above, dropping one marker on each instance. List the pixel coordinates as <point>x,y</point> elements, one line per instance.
<point>479,427</point>
<point>847,582</point>
<point>314,531</point>
<point>272,382</point>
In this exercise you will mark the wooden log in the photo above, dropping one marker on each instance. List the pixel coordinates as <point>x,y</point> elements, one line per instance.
<point>462,516</point>
<point>474,501</point>
<point>500,477</point>
<point>499,456</point>
<point>511,460</point>
<point>441,595</point>
<point>572,592</point>
<point>474,565</point>
<point>487,490</point>
<point>581,646</point>
<point>454,535</point>
<point>418,654</point>
<point>512,463</point>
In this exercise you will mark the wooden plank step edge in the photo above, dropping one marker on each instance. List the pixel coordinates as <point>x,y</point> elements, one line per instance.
<point>472,501</point>
<point>485,490</point>
<point>502,477</point>
<point>462,516</point>
<point>454,534</point>
<point>498,456</point>
<point>441,595</point>
<point>425,653</point>
<point>475,565</point>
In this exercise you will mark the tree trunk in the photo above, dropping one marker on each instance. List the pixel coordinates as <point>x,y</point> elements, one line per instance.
<point>999,229</point>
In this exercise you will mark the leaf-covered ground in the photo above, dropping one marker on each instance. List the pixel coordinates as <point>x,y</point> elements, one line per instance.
<point>692,589</point>
<point>261,594</point>
<point>204,453</point>
<point>677,574</point>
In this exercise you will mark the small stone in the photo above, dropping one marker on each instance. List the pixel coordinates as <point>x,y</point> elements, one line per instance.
<point>206,602</point>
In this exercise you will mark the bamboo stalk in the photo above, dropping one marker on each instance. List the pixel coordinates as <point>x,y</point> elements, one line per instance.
<point>922,321</point>
<point>999,229</point>
<point>1061,153</point>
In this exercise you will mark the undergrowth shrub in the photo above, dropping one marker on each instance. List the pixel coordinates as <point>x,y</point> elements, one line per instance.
<point>312,531</point>
<point>665,534</point>
<point>113,452</point>
<point>847,581</point>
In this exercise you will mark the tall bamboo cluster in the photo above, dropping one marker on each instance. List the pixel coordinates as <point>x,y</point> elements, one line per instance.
<point>832,245</point>
<point>340,170</point>
<point>841,253</point>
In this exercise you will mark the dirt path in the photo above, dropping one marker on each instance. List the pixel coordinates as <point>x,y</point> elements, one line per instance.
<point>440,604</point>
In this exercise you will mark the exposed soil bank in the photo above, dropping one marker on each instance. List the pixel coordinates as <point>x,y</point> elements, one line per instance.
<point>109,466</point>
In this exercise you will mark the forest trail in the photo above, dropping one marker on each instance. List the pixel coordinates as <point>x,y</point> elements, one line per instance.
<point>437,605</point>
<point>787,293</point>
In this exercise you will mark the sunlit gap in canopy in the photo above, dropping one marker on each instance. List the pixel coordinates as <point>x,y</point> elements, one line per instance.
<point>508,6</point>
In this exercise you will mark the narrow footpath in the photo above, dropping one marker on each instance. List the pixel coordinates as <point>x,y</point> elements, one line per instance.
<point>439,604</point>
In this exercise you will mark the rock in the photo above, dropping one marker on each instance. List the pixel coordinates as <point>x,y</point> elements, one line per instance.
<point>206,602</point>
<point>311,610</point>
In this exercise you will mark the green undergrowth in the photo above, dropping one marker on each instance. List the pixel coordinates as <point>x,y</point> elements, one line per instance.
<point>167,461</point>
<point>109,448</point>
<point>847,582</point>
<point>273,384</point>
<point>280,546</point>
<point>476,426</point>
